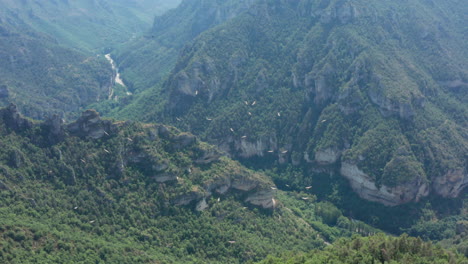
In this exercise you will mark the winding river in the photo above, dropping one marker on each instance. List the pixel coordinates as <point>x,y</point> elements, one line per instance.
<point>117,79</point>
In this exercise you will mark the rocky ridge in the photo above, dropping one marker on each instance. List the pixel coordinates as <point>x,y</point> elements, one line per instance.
<point>341,99</point>
<point>149,150</point>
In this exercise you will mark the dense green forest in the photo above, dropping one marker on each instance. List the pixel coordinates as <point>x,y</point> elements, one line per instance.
<point>338,87</point>
<point>375,249</point>
<point>98,190</point>
<point>259,131</point>
<point>44,78</point>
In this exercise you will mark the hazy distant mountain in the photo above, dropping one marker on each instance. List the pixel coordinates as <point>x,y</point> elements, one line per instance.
<point>43,77</point>
<point>89,24</point>
<point>49,48</point>
<point>146,60</point>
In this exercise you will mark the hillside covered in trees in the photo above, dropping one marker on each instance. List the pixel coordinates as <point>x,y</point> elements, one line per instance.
<point>244,131</point>
<point>375,249</point>
<point>43,77</point>
<point>374,92</point>
<point>98,190</point>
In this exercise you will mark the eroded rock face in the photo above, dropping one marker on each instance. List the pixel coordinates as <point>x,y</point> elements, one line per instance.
<point>342,12</point>
<point>165,177</point>
<point>186,199</point>
<point>207,157</point>
<point>13,119</point>
<point>389,107</point>
<point>263,199</point>
<point>243,184</point>
<point>247,149</point>
<point>319,84</point>
<point>183,140</point>
<point>219,186</point>
<point>327,156</point>
<point>365,187</point>
<point>451,184</point>
<point>4,92</point>
<point>90,125</point>
<point>190,84</point>
<point>201,205</point>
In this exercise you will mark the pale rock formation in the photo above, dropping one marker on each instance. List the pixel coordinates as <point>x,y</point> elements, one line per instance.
<point>165,177</point>
<point>327,156</point>
<point>365,187</point>
<point>201,205</point>
<point>451,184</point>
<point>262,198</point>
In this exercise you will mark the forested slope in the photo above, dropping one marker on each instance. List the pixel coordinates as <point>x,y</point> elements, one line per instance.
<point>89,25</point>
<point>99,190</point>
<point>376,90</point>
<point>335,110</point>
<point>43,77</point>
<point>146,60</point>
<point>375,249</point>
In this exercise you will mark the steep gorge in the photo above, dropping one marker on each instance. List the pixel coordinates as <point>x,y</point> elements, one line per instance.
<point>360,86</point>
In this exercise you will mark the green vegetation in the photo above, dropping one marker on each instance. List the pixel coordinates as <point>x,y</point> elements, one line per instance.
<point>322,103</point>
<point>48,51</point>
<point>374,249</point>
<point>95,26</point>
<point>44,78</point>
<point>145,61</point>
<point>73,193</point>
<point>324,84</point>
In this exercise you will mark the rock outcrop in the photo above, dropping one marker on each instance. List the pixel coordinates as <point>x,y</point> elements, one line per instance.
<point>186,199</point>
<point>183,140</point>
<point>366,188</point>
<point>201,205</point>
<point>54,127</point>
<point>343,12</point>
<point>255,191</point>
<point>208,156</point>
<point>451,184</point>
<point>13,119</point>
<point>246,148</point>
<point>264,199</point>
<point>392,107</point>
<point>4,92</point>
<point>165,177</point>
<point>90,125</point>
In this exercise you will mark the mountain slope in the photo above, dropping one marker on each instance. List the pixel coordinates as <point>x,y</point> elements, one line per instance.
<point>89,25</point>
<point>375,90</point>
<point>105,191</point>
<point>373,250</point>
<point>42,77</point>
<point>145,61</point>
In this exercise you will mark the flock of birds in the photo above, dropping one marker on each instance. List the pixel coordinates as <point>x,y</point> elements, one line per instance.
<point>243,137</point>
<point>249,113</point>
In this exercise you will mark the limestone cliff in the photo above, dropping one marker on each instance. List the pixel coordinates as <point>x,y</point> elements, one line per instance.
<point>366,187</point>
<point>325,84</point>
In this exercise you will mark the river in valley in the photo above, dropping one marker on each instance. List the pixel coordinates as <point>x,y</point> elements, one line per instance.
<point>117,78</point>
